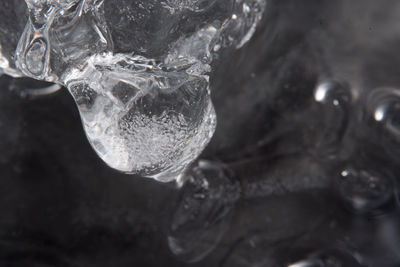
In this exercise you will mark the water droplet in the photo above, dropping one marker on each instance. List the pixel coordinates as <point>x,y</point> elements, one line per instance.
<point>365,190</point>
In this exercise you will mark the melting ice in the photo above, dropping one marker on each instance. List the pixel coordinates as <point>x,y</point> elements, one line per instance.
<point>140,83</point>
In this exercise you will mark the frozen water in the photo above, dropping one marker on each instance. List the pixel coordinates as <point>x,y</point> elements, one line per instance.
<point>138,71</point>
<point>14,15</point>
<point>152,27</point>
<point>61,36</point>
<point>308,123</point>
<point>203,214</point>
<point>141,119</point>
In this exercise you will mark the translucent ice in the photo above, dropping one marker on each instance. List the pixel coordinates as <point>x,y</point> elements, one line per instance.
<point>204,212</point>
<point>61,35</point>
<point>140,119</point>
<point>138,71</point>
<point>13,18</point>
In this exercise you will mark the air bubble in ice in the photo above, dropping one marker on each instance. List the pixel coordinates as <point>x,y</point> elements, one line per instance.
<point>383,118</point>
<point>35,57</point>
<point>365,190</point>
<point>334,100</point>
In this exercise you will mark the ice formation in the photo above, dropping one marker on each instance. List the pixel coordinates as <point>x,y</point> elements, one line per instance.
<point>204,212</point>
<point>138,71</point>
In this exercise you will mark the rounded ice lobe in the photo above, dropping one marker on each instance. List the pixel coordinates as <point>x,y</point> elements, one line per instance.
<point>148,122</point>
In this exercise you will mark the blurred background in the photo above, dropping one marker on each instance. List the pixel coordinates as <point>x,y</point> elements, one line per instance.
<point>307,148</point>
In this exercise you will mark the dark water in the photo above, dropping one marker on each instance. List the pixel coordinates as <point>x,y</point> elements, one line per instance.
<point>302,171</point>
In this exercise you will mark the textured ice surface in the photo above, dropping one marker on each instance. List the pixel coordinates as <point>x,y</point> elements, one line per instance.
<point>142,119</point>
<point>138,71</point>
<point>61,36</point>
